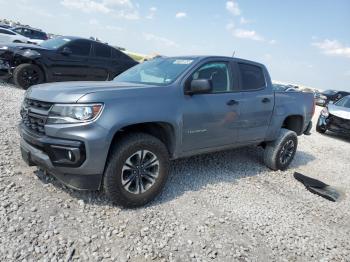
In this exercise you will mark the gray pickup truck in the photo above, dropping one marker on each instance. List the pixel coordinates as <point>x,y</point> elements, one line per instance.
<point>119,136</point>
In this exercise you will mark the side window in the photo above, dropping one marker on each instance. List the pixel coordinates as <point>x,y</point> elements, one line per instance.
<point>80,47</point>
<point>218,73</point>
<point>102,50</point>
<point>119,54</point>
<point>18,30</point>
<point>252,77</point>
<point>27,32</point>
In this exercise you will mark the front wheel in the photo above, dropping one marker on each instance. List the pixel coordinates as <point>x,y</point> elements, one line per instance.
<point>280,153</point>
<point>26,75</point>
<point>136,171</point>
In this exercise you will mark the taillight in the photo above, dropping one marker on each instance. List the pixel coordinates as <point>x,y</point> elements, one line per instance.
<point>313,107</point>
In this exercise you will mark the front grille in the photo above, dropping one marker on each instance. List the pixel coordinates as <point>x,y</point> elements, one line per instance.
<point>34,114</point>
<point>339,122</point>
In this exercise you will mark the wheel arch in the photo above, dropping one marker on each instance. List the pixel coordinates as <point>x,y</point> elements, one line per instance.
<point>164,131</point>
<point>294,123</point>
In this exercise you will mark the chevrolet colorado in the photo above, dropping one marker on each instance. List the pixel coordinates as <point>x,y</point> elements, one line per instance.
<point>119,135</point>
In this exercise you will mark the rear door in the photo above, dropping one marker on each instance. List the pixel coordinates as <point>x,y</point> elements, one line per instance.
<point>73,66</point>
<point>100,62</point>
<point>211,120</point>
<point>257,102</point>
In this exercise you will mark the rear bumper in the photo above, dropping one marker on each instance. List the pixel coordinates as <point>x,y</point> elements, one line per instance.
<point>49,154</point>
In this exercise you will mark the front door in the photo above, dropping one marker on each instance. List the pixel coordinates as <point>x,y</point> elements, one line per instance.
<point>74,65</point>
<point>210,120</point>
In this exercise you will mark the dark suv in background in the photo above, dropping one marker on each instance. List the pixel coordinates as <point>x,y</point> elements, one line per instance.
<point>62,59</point>
<point>330,95</point>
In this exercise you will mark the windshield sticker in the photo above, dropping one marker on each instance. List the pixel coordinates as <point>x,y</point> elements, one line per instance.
<point>182,62</point>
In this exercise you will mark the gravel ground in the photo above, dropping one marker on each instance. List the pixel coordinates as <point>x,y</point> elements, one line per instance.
<point>225,207</point>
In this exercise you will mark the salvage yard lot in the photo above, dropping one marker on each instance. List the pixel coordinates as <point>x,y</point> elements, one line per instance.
<point>223,206</point>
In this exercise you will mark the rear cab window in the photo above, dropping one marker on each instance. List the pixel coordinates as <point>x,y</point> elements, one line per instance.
<point>251,77</point>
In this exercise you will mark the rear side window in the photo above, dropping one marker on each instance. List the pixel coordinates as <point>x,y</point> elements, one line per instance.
<point>102,50</point>
<point>80,47</point>
<point>39,35</point>
<point>119,54</point>
<point>252,77</point>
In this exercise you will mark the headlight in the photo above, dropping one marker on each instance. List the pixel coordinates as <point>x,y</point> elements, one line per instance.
<point>325,112</point>
<point>73,113</point>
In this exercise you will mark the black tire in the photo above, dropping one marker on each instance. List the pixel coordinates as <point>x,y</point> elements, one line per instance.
<point>274,157</point>
<point>319,128</point>
<point>26,75</point>
<point>123,151</point>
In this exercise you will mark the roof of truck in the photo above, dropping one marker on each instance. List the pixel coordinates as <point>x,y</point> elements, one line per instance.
<point>201,57</point>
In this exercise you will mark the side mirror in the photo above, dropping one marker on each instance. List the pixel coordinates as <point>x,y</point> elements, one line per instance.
<point>66,51</point>
<point>199,86</point>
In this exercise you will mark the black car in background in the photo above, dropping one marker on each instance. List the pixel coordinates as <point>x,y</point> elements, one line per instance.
<point>62,59</point>
<point>330,95</point>
<point>335,117</point>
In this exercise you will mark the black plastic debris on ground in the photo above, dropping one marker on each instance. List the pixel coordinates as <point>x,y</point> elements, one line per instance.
<point>318,187</point>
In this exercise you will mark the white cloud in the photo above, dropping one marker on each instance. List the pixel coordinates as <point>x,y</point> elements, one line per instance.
<point>87,6</point>
<point>333,48</point>
<point>248,34</point>
<point>233,8</point>
<point>244,21</point>
<point>272,41</point>
<point>94,21</point>
<point>114,28</point>
<point>242,33</point>
<point>152,13</point>
<point>180,15</point>
<point>121,8</point>
<point>160,40</point>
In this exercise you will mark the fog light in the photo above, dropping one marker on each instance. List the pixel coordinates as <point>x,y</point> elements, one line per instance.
<point>71,155</point>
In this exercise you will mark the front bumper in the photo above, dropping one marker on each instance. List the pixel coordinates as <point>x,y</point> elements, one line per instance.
<point>334,124</point>
<point>5,70</point>
<point>52,155</point>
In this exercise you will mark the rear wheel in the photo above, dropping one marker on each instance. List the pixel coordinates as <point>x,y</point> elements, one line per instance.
<point>136,171</point>
<point>26,75</point>
<point>280,153</point>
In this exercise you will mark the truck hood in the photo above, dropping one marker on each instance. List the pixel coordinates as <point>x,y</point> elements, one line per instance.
<point>339,111</point>
<point>70,92</point>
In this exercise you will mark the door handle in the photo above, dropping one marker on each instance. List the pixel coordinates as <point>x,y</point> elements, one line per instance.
<point>232,102</point>
<point>266,100</point>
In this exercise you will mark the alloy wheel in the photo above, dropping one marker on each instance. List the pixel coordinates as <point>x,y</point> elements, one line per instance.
<point>140,172</point>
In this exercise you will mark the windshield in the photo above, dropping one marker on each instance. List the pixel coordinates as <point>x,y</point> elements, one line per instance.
<point>345,102</point>
<point>55,43</point>
<point>329,92</point>
<point>159,71</point>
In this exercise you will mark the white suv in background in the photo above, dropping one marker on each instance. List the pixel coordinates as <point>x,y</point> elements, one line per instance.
<point>8,36</point>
